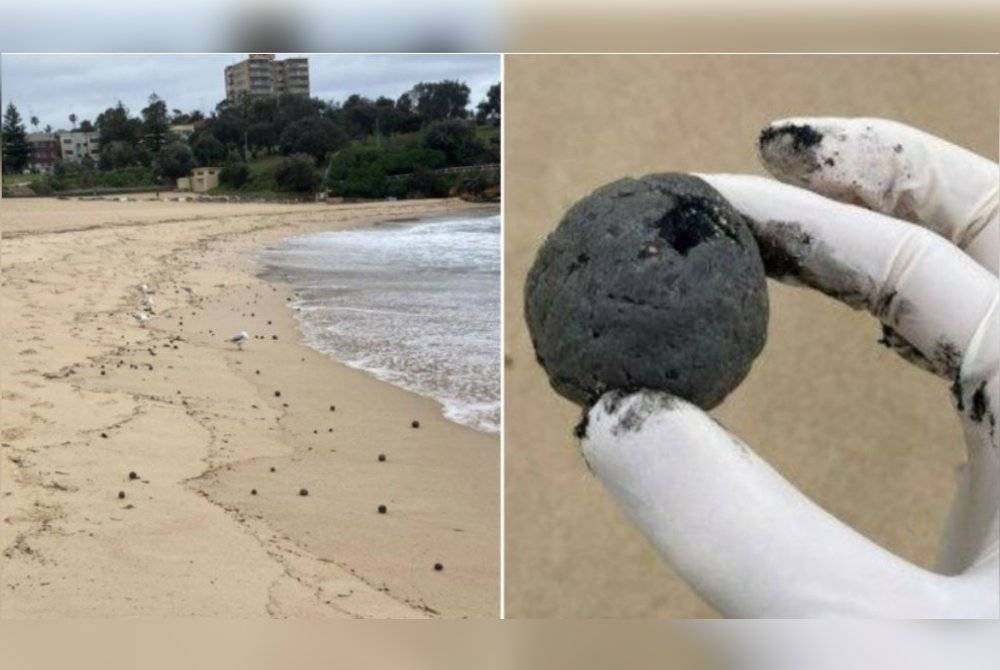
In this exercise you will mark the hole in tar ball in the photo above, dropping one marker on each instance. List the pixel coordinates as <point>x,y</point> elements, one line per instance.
<point>686,225</point>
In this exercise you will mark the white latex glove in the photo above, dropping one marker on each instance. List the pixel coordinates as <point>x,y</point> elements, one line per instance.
<point>921,255</point>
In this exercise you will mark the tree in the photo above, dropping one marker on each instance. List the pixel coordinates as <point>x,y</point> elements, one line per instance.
<point>315,136</point>
<point>441,100</point>
<point>48,128</point>
<point>208,150</point>
<point>174,160</point>
<point>34,122</point>
<point>118,154</point>
<point>456,139</point>
<point>16,150</point>
<point>488,111</point>
<point>235,172</point>
<point>72,120</point>
<point>115,124</point>
<point>86,126</point>
<point>297,173</point>
<point>155,124</point>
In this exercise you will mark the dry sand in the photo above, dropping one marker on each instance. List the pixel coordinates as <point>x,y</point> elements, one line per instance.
<point>90,396</point>
<point>872,439</point>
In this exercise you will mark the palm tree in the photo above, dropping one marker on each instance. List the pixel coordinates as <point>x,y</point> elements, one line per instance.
<point>72,119</point>
<point>34,122</point>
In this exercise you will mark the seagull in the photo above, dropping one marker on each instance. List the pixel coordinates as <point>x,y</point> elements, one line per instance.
<point>141,317</point>
<point>145,289</point>
<point>148,304</point>
<point>239,338</point>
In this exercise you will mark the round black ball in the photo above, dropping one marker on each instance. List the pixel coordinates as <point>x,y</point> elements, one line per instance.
<point>652,283</point>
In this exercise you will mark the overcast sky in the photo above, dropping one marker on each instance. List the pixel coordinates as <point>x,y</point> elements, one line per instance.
<point>51,87</point>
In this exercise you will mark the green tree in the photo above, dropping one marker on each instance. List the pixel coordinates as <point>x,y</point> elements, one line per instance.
<point>16,150</point>
<point>456,139</point>
<point>72,121</point>
<point>235,172</point>
<point>34,122</point>
<point>155,124</point>
<point>315,136</point>
<point>441,100</point>
<point>86,126</point>
<point>118,154</point>
<point>115,125</point>
<point>208,150</point>
<point>488,111</point>
<point>174,160</point>
<point>297,173</point>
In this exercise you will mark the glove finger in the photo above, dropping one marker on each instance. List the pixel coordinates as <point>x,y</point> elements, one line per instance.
<point>927,292</point>
<point>894,169</point>
<point>747,540</point>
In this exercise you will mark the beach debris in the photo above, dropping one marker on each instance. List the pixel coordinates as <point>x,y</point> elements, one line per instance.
<point>414,424</point>
<point>273,469</point>
<point>438,567</point>
<point>277,394</point>
<point>274,337</point>
<point>381,458</point>
<point>104,435</point>
<point>303,492</point>
<point>133,475</point>
<point>239,338</point>
<point>382,509</point>
<point>253,492</point>
<point>121,495</point>
<point>333,408</point>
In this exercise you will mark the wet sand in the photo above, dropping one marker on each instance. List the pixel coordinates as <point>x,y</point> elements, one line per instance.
<point>90,396</point>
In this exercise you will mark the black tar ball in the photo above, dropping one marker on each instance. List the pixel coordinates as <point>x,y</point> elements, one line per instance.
<point>121,495</point>
<point>438,567</point>
<point>414,424</point>
<point>253,492</point>
<point>133,475</point>
<point>650,283</point>
<point>303,492</point>
<point>382,509</point>
<point>381,458</point>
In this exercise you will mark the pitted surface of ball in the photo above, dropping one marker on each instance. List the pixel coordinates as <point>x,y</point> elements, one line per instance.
<point>650,283</point>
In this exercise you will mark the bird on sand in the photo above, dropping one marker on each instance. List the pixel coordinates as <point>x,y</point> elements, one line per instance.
<point>148,304</point>
<point>239,338</point>
<point>145,289</point>
<point>141,317</point>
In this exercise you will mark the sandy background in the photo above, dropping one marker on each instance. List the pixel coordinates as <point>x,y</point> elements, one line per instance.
<point>870,438</point>
<point>89,395</point>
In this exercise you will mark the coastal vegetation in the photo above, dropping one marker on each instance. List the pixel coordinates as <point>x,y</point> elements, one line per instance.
<point>427,143</point>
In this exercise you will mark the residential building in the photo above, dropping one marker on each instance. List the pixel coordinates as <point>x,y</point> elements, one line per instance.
<point>261,75</point>
<point>76,145</point>
<point>45,152</point>
<point>182,131</point>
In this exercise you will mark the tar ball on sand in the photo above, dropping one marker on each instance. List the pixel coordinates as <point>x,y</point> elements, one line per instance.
<point>652,283</point>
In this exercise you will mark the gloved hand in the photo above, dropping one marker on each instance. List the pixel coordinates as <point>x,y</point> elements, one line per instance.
<point>921,254</point>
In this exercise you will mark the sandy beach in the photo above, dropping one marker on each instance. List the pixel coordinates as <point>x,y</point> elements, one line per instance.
<point>257,479</point>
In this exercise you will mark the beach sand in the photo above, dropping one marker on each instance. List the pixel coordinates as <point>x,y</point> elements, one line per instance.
<point>89,396</point>
<point>869,437</point>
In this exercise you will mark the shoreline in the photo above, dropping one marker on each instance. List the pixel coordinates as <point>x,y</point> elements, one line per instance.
<point>279,278</point>
<point>197,424</point>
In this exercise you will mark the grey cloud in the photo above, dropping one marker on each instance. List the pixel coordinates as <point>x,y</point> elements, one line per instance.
<point>53,86</point>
